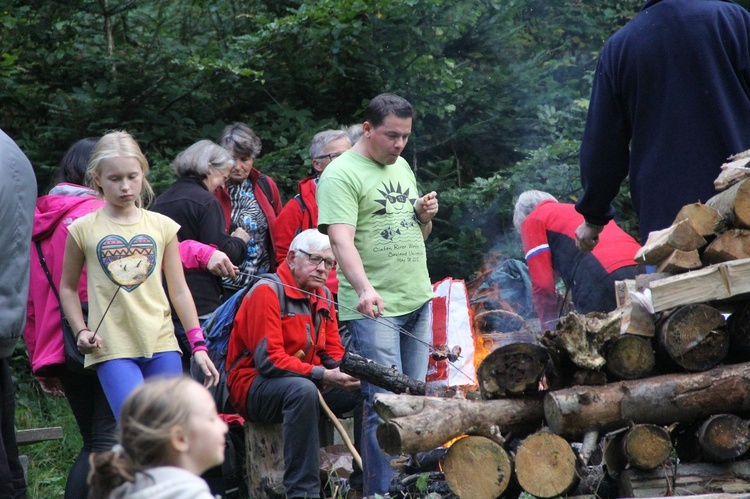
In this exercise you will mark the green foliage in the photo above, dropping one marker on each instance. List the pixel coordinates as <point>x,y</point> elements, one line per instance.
<point>501,89</point>
<point>49,462</point>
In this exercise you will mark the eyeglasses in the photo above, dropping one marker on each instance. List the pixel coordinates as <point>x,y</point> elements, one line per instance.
<point>331,156</point>
<point>316,259</point>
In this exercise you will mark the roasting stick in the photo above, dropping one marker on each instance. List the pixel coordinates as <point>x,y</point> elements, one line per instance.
<point>132,281</point>
<point>339,427</point>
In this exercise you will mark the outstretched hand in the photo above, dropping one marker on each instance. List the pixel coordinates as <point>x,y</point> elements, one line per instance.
<point>211,375</point>
<point>587,236</point>
<point>334,377</point>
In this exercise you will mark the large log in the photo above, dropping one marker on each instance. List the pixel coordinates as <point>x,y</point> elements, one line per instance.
<point>661,243</point>
<point>735,170</point>
<point>661,400</point>
<point>414,424</point>
<point>695,337</point>
<point>716,282</point>
<point>733,205</point>
<point>477,468</point>
<point>388,378</point>
<point>687,480</point>
<point>546,465</point>
<point>511,370</point>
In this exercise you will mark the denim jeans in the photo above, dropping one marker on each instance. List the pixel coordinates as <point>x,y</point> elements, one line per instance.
<point>401,342</point>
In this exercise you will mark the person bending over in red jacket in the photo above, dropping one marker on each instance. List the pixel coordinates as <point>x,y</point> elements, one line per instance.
<point>547,231</point>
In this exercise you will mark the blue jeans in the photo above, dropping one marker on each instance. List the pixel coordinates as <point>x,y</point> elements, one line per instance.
<point>381,341</point>
<point>119,377</point>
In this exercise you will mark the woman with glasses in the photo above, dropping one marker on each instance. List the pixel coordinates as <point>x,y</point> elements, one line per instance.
<point>301,212</point>
<point>201,169</point>
<point>250,201</point>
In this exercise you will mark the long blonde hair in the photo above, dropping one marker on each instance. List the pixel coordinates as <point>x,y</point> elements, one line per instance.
<point>119,144</point>
<point>148,416</point>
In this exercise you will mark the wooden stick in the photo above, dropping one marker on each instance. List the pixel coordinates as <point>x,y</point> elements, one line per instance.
<point>341,430</point>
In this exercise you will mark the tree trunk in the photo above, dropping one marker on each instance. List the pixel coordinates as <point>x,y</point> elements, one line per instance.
<point>387,378</point>
<point>724,437</point>
<point>477,468</point>
<point>264,446</point>
<point>583,337</point>
<point>661,400</point>
<point>513,369</point>
<point>414,424</point>
<point>630,357</point>
<point>733,205</point>
<point>546,465</point>
<point>646,446</point>
<point>695,337</point>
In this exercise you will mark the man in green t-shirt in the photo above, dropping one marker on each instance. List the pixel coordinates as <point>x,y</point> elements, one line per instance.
<point>376,220</point>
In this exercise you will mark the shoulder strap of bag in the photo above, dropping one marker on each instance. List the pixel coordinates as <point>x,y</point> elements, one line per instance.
<point>43,263</point>
<point>265,186</point>
<point>278,286</point>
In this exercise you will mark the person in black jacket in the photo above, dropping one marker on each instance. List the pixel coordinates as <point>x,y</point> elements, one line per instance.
<point>670,103</point>
<point>202,168</point>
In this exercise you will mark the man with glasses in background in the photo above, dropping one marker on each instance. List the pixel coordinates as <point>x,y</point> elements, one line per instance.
<point>370,207</point>
<point>301,212</point>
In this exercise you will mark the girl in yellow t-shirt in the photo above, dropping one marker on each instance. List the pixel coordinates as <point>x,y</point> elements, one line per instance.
<point>125,248</point>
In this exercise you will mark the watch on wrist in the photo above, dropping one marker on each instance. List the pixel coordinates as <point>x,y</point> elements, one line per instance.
<point>416,217</point>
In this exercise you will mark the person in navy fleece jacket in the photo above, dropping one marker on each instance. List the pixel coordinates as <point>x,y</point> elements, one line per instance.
<point>670,103</point>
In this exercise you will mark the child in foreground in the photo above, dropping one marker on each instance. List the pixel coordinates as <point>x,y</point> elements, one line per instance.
<point>170,434</point>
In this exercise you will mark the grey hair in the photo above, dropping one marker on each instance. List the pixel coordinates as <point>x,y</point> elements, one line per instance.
<point>527,202</point>
<point>355,132</point>
<point>240,139</point>
<point>199,159</point>
<point>310,240</point>
<point>322,139</point>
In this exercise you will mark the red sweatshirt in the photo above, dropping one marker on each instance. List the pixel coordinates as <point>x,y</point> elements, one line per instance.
<point>275,341</point>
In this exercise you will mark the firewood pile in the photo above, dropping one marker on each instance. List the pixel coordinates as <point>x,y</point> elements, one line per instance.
<point>651,400</point>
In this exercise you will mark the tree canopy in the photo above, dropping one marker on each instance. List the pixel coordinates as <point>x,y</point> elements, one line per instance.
<point>501,89</point>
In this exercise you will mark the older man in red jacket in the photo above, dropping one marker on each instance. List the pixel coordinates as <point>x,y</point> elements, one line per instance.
<point>281,354</point>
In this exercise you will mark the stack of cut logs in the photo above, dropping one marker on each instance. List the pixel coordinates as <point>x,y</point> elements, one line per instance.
<point>647,401</point>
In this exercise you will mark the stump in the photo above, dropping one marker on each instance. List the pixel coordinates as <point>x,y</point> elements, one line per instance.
<point>695,337</point>
<point>546,465</point>
<point>630,357</point>
<point>647,446</point>
<point>477,468</point>
<point>724,437</point>
<point>264,445</point>
<point>513,369</point>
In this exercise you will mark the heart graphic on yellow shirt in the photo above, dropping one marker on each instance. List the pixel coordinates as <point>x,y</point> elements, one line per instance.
<point>127,264</point>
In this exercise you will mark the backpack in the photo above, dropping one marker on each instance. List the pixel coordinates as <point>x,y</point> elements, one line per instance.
<point>217,329</point>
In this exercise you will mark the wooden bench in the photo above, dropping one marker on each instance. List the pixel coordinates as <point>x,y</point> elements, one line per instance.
<point>34,436</point>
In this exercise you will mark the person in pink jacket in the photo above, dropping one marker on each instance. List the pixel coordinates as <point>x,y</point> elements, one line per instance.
<point>66,202</point>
